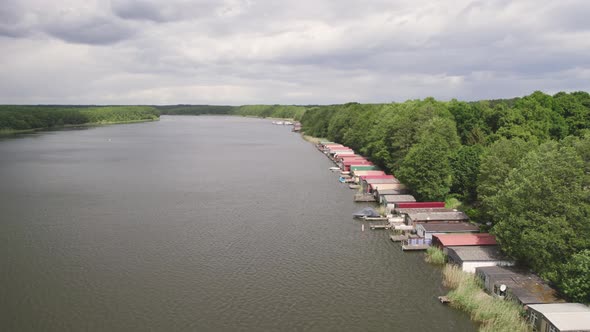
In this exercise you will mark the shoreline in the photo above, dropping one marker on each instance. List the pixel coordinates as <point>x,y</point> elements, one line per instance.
<point>467,295</point>
<point>8,132</point>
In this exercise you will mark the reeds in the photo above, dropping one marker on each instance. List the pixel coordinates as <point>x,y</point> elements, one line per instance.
<point>435,256</point>
<point>493,313</point>
<point>314,140</point>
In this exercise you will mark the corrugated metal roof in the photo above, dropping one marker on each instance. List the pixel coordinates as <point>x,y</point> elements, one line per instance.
<point>421,205</point>
<point>370,177</point>
<point>481,239</point>
<point>476,253</point>
<point>528,288</point>
<point>450,227</point>
<point>396,186</point>
<point>399,198</point>
<point>428,216</point>
<point>421,210</point>
<point>357,162</point>
<point>372,181</point>
<point>382,192</point>
<point>565,316</point>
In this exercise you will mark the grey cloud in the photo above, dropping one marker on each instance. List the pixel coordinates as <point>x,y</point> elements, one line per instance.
<point>138,10</point>
<point>92,30</point>
<point>158,11</point>
<point>12,21</point>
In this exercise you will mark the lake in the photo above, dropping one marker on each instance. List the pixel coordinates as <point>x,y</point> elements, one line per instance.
<point>202,223</point>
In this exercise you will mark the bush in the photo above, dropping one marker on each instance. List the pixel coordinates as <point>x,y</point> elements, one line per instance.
<point>435,256</point>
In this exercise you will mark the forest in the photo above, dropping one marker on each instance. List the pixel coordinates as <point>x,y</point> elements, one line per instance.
<point>15,118</point>
<point>261,111</point>
<point>519,167</point>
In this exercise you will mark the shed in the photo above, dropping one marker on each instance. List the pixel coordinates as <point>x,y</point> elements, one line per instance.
<point>554,317</point>
<point>357,174</point>
<point>341,157</point>
<point>380,192</point>
<point>386,186</point>
<point>347,164</point>
<point>392,199</point>
<point>365,183</point>
<point>412,218</point>
<point>522,286</point>
<point>428,229</point>
<point>406,211</point>
<point>471,257</point>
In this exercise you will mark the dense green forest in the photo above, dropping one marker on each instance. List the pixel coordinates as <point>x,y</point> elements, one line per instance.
<point>520,167</point>
<point>195,109</point>
<point>15,118</point>
<point>263,111</point>
<point>22,118</point>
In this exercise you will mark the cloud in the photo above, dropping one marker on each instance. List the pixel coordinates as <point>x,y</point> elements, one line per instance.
<point>305,51</point>
<point>88,30</point>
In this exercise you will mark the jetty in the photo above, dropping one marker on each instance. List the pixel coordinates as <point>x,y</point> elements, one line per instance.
<point>367,218</point>
<point>380,226</point>
<point>364,198</point>
<point>398,238</point>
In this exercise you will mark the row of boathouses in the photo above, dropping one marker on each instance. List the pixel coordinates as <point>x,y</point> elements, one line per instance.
<point>420,225</point>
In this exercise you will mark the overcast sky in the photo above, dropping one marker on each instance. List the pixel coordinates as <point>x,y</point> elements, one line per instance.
<point>289,52</point>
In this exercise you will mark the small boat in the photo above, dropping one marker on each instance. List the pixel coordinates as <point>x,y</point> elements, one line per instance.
<point>334,169</point>
<point>366,212</point>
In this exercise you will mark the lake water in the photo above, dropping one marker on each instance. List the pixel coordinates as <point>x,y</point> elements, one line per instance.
<point>197,224</point>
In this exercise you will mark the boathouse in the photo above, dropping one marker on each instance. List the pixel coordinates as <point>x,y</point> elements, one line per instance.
<point>449,216</point>
<point>520,285</point>
<point>426,230</point>
<point>386,186</point>
<point>388,200</point>
<point>365,183</point>
<point>418,205</point>
<point>364,168</point>
<point>443,241</point>
<point>379,193</point>
<point>559,317</point>
<point>471,257</point>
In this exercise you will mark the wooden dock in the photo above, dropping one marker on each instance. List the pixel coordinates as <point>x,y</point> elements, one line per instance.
<point>364,198</point>
<point>380,226</point>
<point>375,218</point>
<point>398,238</point>
<point>415,247</point>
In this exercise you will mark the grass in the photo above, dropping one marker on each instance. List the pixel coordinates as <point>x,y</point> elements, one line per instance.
<point>435,256</point>
<point>314,140</point>
<point>493,313</point>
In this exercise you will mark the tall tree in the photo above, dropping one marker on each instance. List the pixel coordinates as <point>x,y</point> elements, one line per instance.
<point>427,167</point>
<point>539,208</point>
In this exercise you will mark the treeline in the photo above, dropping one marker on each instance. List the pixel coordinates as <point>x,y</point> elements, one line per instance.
<point>271,111</point>
<point>521,167</point>
<point>262,111</point>
<point>195,109</point>
<point>22,118</point>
